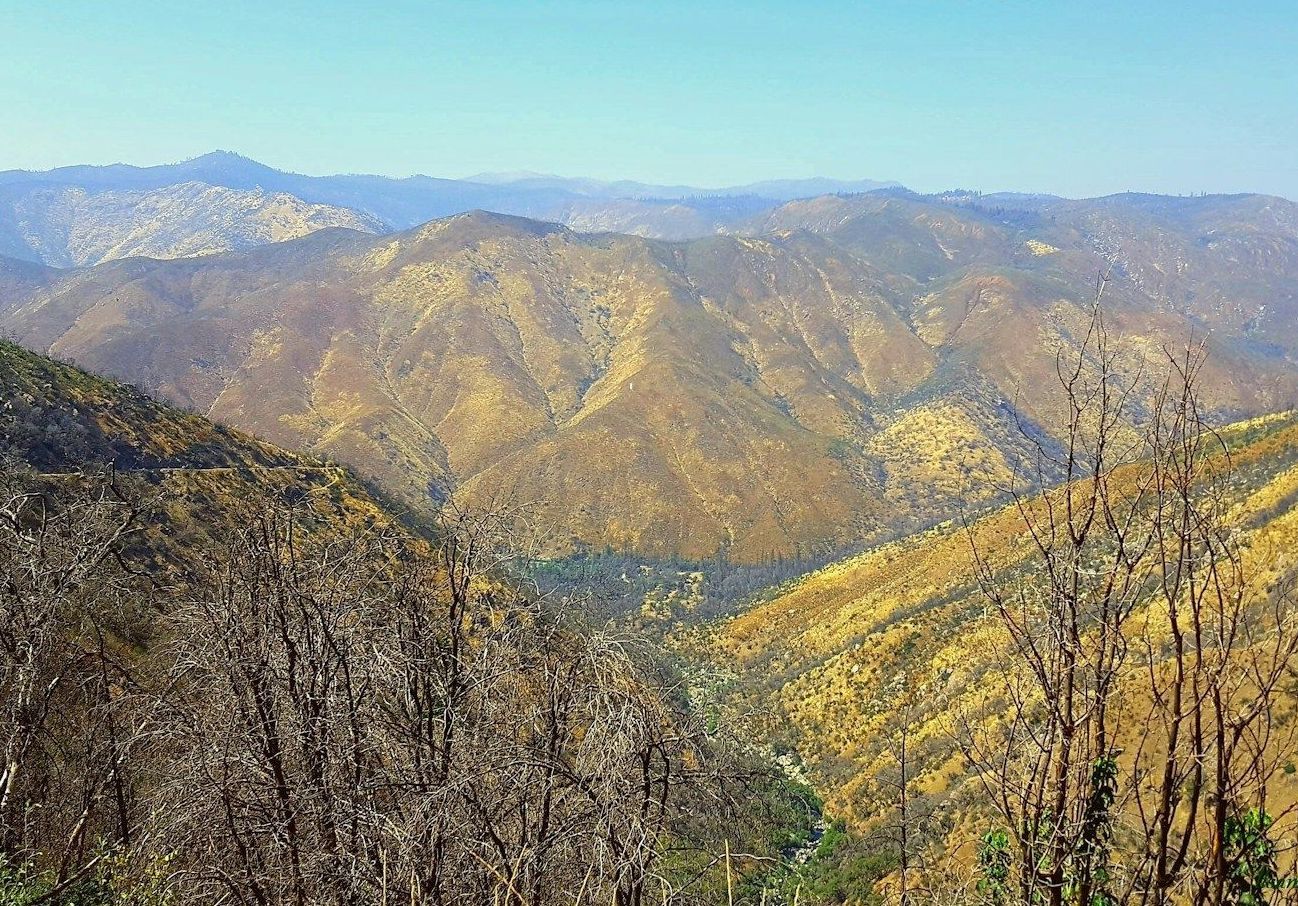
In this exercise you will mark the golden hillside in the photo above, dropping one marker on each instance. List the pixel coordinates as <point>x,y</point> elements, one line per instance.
<point>857,368</point>
<point>195,479</point>
<point>900,636</point>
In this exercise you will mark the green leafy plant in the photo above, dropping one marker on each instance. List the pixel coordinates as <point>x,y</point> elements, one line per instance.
<point>110,880</point>
<point>1249,854</point>
<point>1091,876</point>
<point>994,867</point>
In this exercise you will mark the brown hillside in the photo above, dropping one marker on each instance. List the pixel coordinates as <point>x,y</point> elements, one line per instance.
<point>195,480</point>
<point>855,371</point>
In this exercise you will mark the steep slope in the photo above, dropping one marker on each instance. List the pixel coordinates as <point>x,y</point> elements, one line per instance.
<point>1230,261</point>
<point>508,356</point>
<point>68,226</point>
<point>900,635</point>
<point>196,479</point>
<point>981,276</point>
<point>858,369</point>
<point>19,279</point>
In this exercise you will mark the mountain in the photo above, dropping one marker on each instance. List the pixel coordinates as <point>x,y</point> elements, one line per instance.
<point>195,479</point>
<point>181,599</point>
<point>656,218</point>
<point>220,201</point>
<point>69,226</point>
<point>848,369</point>
<point>774,189</point>
<point>19,277</point>
<point>790,189</point>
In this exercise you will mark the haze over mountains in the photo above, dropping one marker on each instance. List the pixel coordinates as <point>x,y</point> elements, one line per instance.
<point>222,201</point>
<point>825,372</point>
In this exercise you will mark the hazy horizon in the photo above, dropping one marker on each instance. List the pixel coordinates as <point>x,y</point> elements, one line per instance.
<point>1164,98</point>
<point>954,184</point>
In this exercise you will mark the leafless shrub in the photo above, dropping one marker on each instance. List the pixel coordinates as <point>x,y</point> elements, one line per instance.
<point>1135,710</point>
<point>67,608</point>
<point>357,720</point>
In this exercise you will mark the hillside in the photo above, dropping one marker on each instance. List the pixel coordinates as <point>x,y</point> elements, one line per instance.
<point>857,370</point>
<point>900,636</point>
<point>196,479</point>
<point>67,226</point>
<point>194,620</point>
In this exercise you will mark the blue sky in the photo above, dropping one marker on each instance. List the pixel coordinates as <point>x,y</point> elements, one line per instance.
<point>1076,98</point>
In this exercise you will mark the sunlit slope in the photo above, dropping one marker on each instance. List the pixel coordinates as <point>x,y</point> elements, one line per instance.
<point>195,480</point>
<point>900,633</point>
<point>855,368</point>
<point>634,391</point>
<point>69,226</point>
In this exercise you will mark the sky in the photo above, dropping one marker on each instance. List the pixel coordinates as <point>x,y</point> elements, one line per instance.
<point>1074,98</point>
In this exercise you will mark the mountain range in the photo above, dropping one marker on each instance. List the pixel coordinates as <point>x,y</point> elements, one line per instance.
<point>222,201</point>
<point>699,396</point>
<point>827,372</point>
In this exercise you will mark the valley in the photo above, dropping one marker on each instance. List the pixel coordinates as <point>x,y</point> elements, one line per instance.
<point>648,454</point>
<point>837,372</point>
<point>772,460</point>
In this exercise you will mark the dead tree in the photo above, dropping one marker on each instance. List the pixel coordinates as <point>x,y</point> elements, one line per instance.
<point>364,718</point>
<point>66,605</point>
<point>1133,589</point>
<point>1044,763</point>
<point>1214,655</point>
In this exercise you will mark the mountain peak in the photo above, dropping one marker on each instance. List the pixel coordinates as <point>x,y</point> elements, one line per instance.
<point>221,156</point>
<point>477,221</point>
<point>225,160</point>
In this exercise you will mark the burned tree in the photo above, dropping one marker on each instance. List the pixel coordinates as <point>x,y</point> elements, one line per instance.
<point>68,608</point>
<point>1144,654</point>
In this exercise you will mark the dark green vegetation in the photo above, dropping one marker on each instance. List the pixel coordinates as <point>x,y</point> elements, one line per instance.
<point>55,415</point>
<point>657,596</point>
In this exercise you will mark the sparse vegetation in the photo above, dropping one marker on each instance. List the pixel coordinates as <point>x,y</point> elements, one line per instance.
<point>229,674</point>
<point>312,706</point>
<point>954,646</point>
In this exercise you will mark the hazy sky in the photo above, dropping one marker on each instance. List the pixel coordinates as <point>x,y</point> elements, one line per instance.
<point>1077,98</point>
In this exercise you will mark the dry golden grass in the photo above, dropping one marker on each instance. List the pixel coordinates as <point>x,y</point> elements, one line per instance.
<point>900,634</point>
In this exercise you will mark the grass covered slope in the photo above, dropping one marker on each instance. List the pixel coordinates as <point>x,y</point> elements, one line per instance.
<point>56,416</point>
<point>900,636</point>
<point>847,369</point>
<point>197,479</point>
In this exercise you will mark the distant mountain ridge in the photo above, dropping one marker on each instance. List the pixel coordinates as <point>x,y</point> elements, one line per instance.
<point>774,189</point>
<point>72,227</point>
<point>47,215</point>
